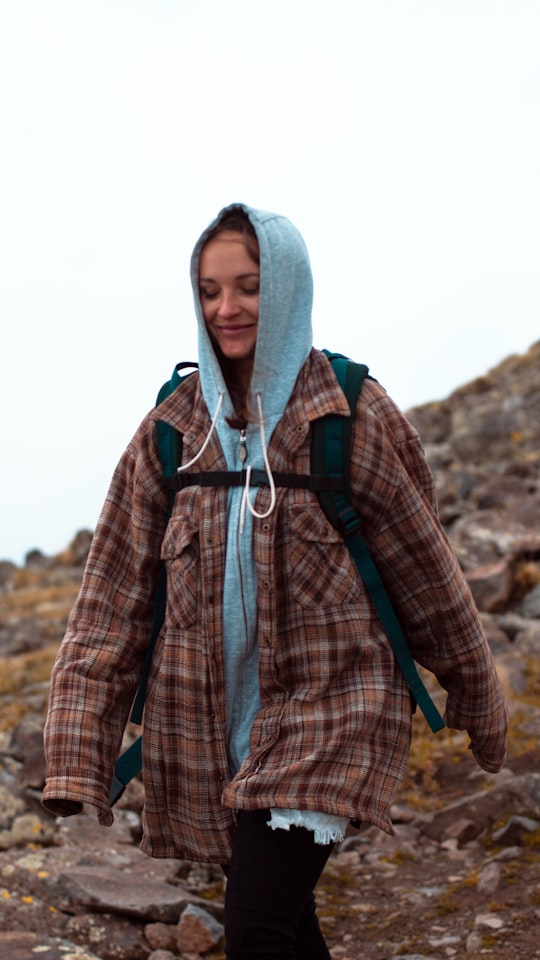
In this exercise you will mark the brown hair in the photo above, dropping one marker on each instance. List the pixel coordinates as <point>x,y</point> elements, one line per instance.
<point>236,220</point>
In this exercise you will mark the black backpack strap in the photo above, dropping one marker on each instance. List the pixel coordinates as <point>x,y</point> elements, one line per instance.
<point>331,436</point>
<point>331,447</point>
<point>258,478</point>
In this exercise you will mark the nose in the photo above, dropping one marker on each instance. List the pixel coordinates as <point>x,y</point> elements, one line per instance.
<point>228,304</point>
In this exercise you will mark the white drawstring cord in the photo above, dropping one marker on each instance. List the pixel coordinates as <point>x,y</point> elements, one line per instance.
<point>246,502</point>
<point>207,441</point>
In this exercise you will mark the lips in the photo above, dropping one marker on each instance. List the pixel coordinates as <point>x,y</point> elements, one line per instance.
<point>236,328</point>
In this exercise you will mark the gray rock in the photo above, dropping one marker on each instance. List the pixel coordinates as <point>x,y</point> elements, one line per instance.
<point>24,946</point>
<point>113,938</point>
<point>528,640</point>
<point>140,896</point>
<point>519,793</point>
<point>512,623</point>
<point>11,806</point>
<point>514,832</point>
<point>412,956</point>
<point>27,828</point>
<point>489,879</point>
<point>463,830</point>
<point>198,931</point>
<point>161,936</point>
<point>530,606</point>
<point>491,584</point>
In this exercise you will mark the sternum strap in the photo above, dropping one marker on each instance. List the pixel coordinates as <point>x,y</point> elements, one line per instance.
<point>258,478</point>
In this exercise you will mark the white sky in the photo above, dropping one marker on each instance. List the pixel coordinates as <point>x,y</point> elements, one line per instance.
<point>402,137</point>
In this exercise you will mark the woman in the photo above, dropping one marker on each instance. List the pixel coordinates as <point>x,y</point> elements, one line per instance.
<point>275,711</point>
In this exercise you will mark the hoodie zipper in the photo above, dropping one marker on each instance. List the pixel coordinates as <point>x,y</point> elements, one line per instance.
<point>242,456</point>
<point>242,453</point>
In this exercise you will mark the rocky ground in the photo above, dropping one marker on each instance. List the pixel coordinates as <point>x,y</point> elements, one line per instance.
<point>461,876</point>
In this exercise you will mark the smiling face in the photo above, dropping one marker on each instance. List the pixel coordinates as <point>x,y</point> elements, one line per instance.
<point>229,294</point>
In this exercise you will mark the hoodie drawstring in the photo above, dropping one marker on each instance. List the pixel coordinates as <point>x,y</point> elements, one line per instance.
<point>246,502</point>
<point>207,441</point>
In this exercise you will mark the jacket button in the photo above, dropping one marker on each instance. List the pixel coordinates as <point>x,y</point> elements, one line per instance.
<point>266,527</point>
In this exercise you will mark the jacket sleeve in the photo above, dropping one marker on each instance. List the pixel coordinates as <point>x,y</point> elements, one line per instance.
<point>98,663</point>
<point>397,502</point>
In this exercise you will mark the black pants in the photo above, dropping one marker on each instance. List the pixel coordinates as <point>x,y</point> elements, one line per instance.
<point>269,902</point>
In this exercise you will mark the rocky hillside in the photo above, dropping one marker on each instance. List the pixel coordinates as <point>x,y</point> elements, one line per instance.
<point>461,878</point>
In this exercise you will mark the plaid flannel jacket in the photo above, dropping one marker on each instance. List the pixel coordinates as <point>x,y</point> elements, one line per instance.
<point>334,729</point>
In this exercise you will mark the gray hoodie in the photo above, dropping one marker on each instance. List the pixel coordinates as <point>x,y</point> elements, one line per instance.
<point>284,340</point>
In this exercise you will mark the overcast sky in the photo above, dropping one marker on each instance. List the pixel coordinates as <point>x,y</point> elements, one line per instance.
<point>402,137</point>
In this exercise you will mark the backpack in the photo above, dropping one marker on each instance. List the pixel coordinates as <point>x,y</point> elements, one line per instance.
<point>331,438</point>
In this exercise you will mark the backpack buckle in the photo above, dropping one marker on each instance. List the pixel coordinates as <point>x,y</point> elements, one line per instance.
<point>349,519</point>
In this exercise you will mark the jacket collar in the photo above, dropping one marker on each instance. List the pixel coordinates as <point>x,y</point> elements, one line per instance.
<point>315,394</point>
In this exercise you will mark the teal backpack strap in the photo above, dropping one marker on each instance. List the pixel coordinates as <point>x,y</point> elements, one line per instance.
<point>330,454</point>
<point>169,442</point>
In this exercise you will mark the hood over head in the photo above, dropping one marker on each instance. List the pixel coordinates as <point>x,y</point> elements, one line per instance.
<point>284,336</point>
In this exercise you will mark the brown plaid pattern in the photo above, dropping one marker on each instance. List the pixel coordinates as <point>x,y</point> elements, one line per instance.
<point>334,730</point>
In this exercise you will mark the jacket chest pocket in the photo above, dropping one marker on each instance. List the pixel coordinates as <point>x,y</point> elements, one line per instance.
<point>322,571</point>
<point>180,552</point>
